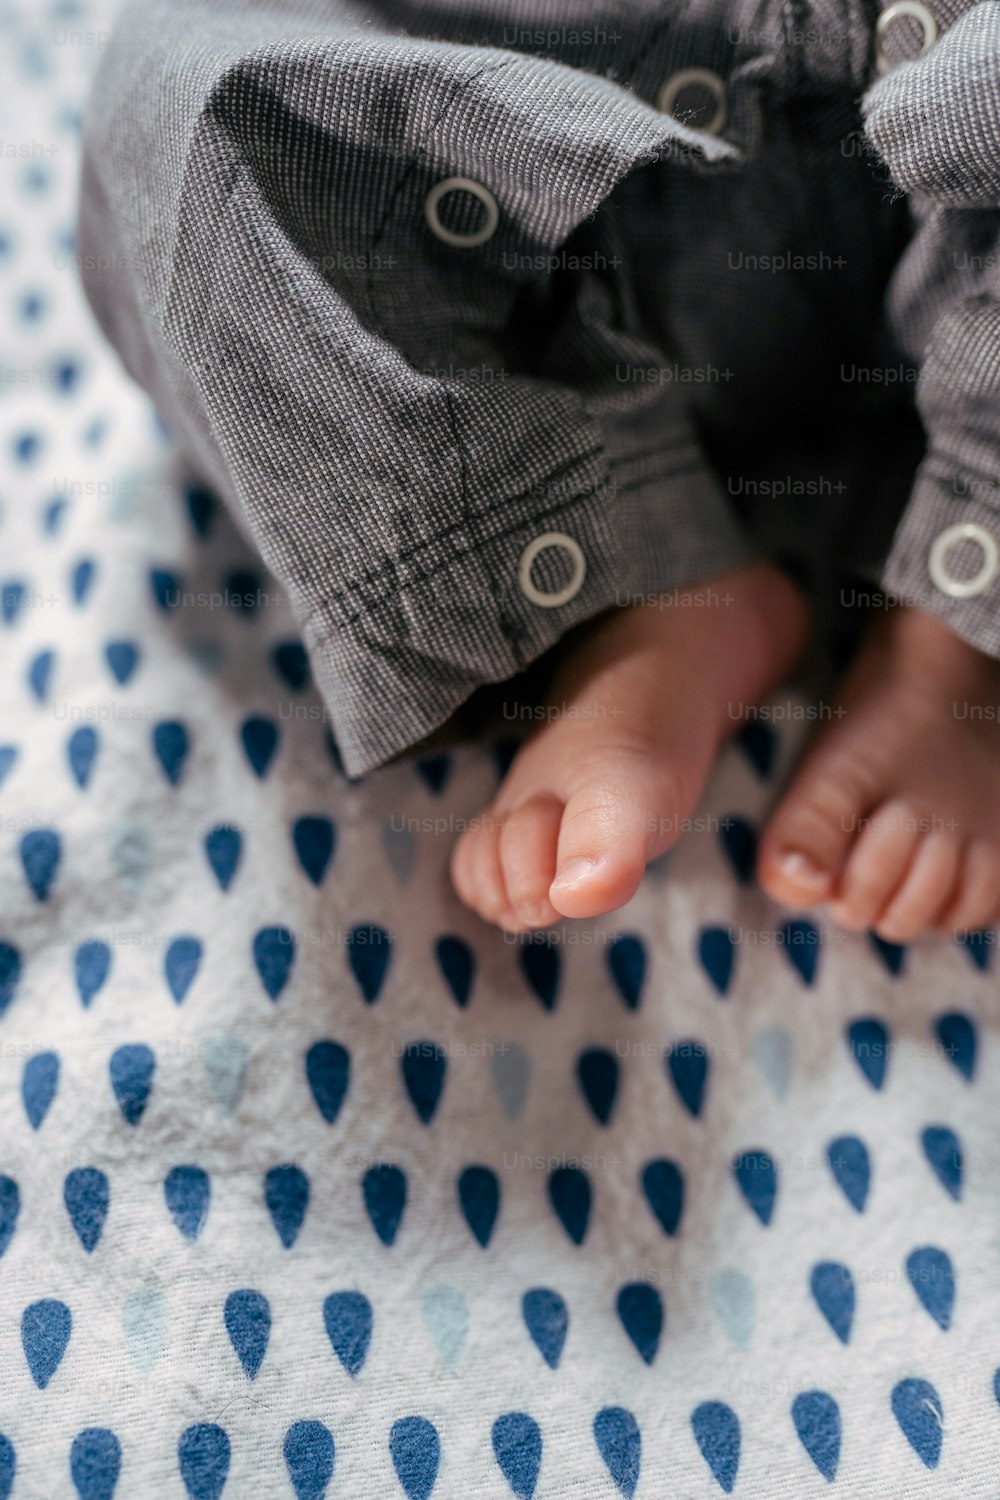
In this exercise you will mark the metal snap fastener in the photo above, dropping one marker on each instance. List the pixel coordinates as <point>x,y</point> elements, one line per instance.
<point>695,78</point>
<point>964,588</point>
<point>571,588</point>
<point>916,11</point>
<point>461,185</point>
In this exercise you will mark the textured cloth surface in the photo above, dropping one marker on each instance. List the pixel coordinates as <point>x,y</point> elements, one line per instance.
<point>664,322</point>
<point>310,1184</point>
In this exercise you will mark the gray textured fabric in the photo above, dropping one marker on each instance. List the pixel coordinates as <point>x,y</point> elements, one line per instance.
<point>676,348</point>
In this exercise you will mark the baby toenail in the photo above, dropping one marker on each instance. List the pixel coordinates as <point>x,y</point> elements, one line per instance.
<point>574,873</point>
<point>535,913</point>
<point>803,870</point>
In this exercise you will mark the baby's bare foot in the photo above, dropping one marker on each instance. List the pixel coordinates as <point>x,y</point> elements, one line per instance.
<point>635,717</point>
<point>894,817</point>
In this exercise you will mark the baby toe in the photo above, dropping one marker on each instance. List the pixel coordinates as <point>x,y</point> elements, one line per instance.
<point>926,890</point>
<point>807,840</point>
<point>875,866</point>
<point>527,851</point>
<point>977,903</point>
<point>476,868</point>
<point>610,829</point>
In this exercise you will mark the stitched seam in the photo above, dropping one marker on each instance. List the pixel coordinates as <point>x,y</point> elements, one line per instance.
<point>392,565</point>
<point>501,536</point>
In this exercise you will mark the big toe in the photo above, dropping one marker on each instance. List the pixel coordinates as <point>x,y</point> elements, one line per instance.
<point>611,828</point>
<point>807,840</point>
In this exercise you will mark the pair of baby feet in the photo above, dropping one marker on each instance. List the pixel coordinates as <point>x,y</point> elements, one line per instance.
<point>892,821</point>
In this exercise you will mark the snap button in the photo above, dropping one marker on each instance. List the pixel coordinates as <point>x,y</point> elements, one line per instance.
<point>441,190</point>
<point>964,588</point>
<point>916,11</point>
<point>698,82</point>
<point>571,588</point>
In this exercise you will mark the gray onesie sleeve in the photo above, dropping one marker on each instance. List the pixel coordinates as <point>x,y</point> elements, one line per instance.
<point>320,246</point>
<point>935,120</point>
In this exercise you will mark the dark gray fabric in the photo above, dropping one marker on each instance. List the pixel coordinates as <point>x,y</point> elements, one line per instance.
<point>677,347</point>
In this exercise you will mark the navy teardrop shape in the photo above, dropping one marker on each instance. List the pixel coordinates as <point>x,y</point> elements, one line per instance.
<point>292,664</point>
<point>517,1446</point>
<point>640,1308</point>
<point>286,1193</point>
<point>759,744</point>
<point>739,841</point>
<point>203,1455</point>
<point>38,1086</point>
<point>201,509</point>
<point>717,956</point>
<point>626,958</point>
<point>223,846</point>
<point>687,1064</point>
<point>384,1188</point>
<point>817,1422</point>
<point>8,760</point>
<point>369,949</point>
<point>457,963</point>
<point>832,1286</point>
<point>131,1068</point>
<point>8,1467</point>
<point>314,840</point>
<point>917,1408</point>
<point>757,1178</point>
<point>416,1454</point>
<point>247,1316</point>
<point>569,1192</point>
<point>424,1066</point>
<point>10,974</point>
<point>309,1456</point>
<point>851,1166</point>
<point>10,1207</point>
<point>479,1195</point>
<point>122,658</point>
<point>979,947</point>
<point>45,1330</point>
<point>41,852</point>
<point>434,772</point>
<point>170,746</point>
<point>540,966</point>
<point>95,1461</point>
<point>799,940</point>
<point>86,1194</point>
<point>868,1042</point>
<point>932,1277</point>
<point>188,1192</point>
<point>273,956</point>
<point>260,740</point>
<point>81,752</point>
<point>943,1150</point>
<point>40,674</point>
<point>663,1185</point>
<point>348,1319</point>
<point>91,967</point>
<point>893,955</point>
<point>619,1443</point>
<point>957,1035</point>
<point>180,965</point>
<point>166,589</point>
<point>547,1319</point>
<point>328,1070</point>
<point>717,1433</point>
<point>597,1071</point>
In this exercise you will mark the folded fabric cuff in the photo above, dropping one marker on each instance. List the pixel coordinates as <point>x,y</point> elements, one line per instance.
<point>945,556</point>
<point>654,538</point>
